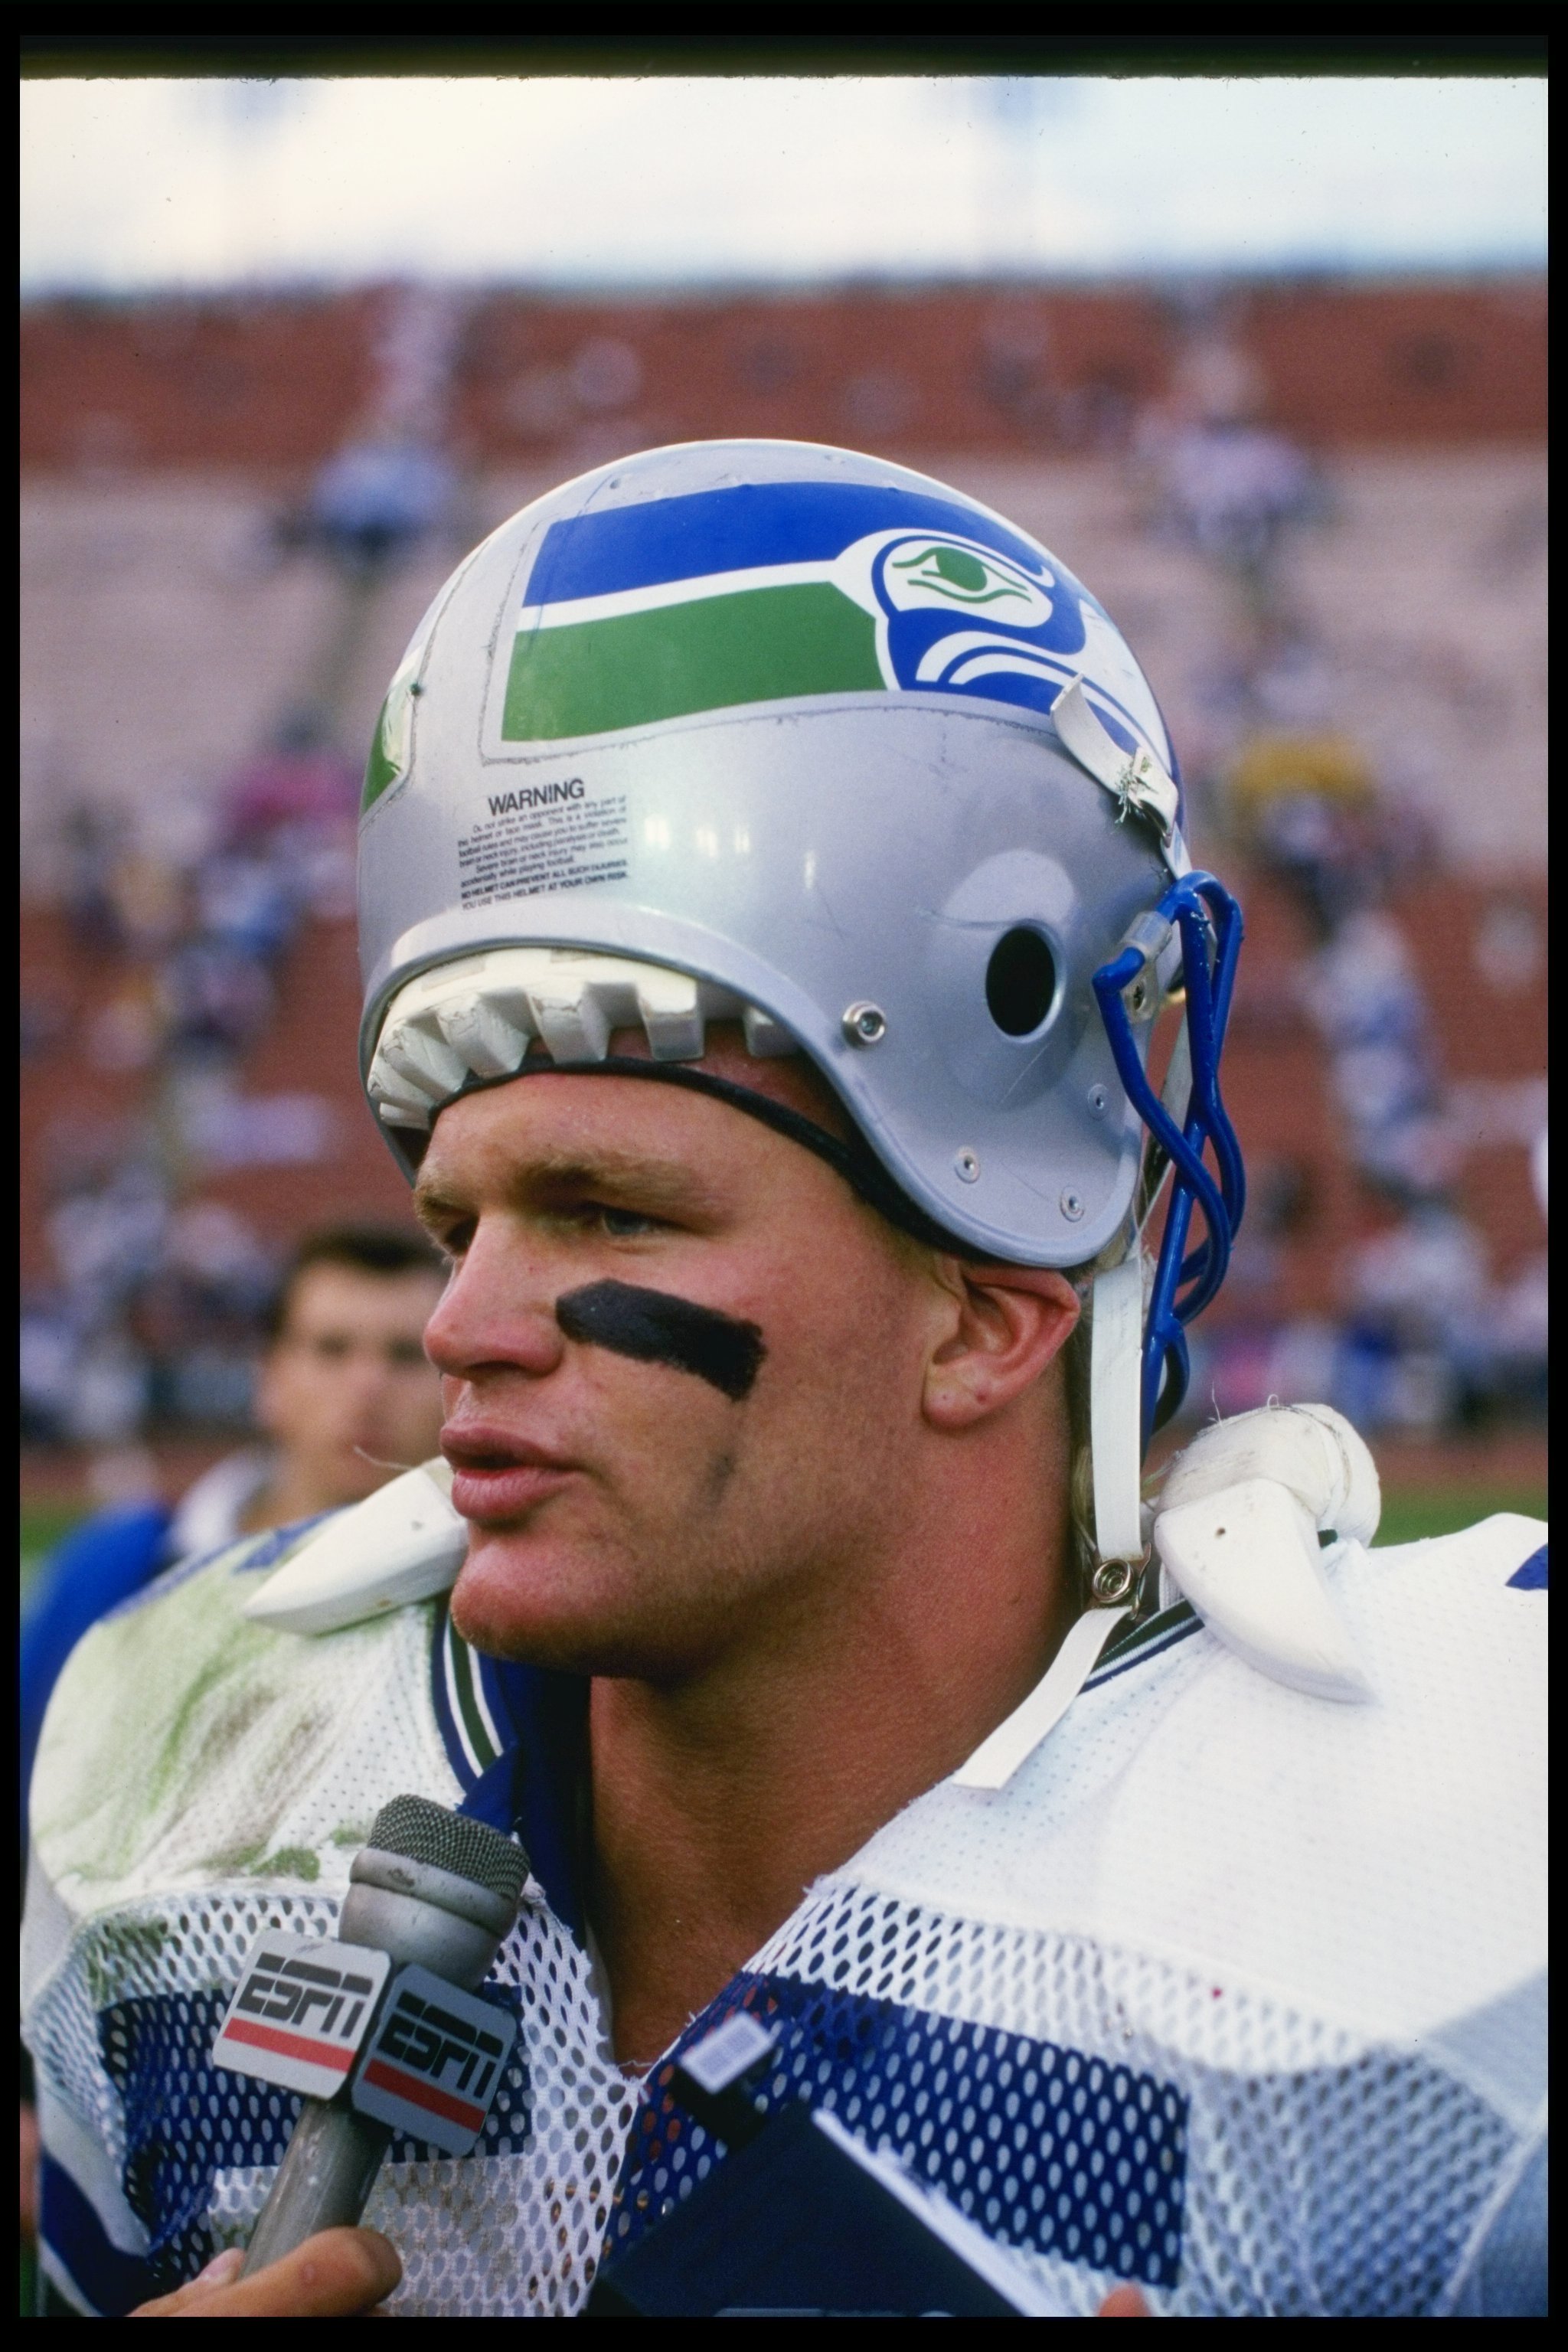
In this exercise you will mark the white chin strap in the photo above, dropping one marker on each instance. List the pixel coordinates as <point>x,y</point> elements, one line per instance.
<point>1115,1415</point>
<point>477,1018</point>
<point>1116,1357</point>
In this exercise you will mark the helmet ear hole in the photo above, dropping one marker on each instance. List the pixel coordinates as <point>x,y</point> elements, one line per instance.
<point>1020,982</point>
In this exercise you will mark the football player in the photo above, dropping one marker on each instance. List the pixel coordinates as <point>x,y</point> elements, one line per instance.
<point>772,878</point>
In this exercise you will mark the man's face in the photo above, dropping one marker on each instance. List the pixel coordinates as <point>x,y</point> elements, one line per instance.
<point>644,1483</point>
<point>347,1384</point>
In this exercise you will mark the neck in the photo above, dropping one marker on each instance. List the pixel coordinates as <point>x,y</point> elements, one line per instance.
<point>720,1797</point>
<point>289,1494</point>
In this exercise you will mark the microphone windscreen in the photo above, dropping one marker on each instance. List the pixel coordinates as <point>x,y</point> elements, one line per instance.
<point>421,1830</point>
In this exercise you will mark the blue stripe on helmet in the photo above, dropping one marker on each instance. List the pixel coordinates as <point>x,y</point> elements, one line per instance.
<point>742,529</point>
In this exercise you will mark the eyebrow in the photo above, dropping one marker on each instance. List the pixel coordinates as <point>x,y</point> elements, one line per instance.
<point>654,1183</point>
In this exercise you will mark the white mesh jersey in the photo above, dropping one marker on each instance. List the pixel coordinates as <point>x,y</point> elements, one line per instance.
<point>1231,1991</point>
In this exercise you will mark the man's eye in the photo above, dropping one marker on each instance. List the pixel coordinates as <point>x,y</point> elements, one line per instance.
<point>625,1225</point>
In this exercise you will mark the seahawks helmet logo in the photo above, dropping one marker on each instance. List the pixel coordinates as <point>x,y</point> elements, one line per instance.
<point>955,616</point>
<point>780,591</point>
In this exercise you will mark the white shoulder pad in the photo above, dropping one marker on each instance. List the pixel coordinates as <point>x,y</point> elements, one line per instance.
<point>1236,1532</point>
<point>402,1544</point>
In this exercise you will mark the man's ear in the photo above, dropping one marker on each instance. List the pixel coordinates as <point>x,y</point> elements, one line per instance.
<point>1005,1325</point>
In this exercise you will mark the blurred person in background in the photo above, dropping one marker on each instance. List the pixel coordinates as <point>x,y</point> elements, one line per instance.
<point>346,1398</point>
<point>1223,480</point>
<point>378,497</point>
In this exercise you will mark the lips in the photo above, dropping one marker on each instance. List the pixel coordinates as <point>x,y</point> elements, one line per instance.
<point>496,1475</point>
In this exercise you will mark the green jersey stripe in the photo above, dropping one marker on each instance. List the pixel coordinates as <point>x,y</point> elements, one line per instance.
<point>763,645</point>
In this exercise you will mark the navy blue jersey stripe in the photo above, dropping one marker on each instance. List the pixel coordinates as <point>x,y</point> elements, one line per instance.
<point>538,1789</point>
<point>1042,2147</point>
<point>109,2280</point>
<point>509,1691</point>
<point>1531,1575</point>
<point>112,2282</point>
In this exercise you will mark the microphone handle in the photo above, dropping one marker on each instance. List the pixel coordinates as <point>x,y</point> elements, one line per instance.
<point>323,2182</point>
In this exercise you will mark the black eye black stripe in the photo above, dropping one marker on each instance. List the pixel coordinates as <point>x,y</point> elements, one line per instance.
<point>655,1327</point>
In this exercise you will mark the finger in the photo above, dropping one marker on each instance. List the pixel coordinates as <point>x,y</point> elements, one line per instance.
<point>222,2268</point>
<point>220,2271</point>
<point>1124,2303</point>
<point>335,2275</point>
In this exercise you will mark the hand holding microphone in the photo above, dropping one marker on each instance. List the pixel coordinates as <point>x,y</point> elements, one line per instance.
<point>380,2029</point>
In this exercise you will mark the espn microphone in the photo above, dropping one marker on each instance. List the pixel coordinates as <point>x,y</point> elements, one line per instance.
<point>430,1900</point>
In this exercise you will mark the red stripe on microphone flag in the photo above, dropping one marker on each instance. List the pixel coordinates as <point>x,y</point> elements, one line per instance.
<point>399,2085</point>
<point>337,2056</point>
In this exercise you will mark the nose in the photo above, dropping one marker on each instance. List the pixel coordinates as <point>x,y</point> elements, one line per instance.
<point>497,1310</point>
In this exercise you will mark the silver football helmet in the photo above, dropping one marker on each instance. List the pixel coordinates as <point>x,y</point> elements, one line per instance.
<point>767,732</point>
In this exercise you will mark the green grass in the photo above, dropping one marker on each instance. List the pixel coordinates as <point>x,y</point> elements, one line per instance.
<point>43,1525</point>
<point>1409,1517</point>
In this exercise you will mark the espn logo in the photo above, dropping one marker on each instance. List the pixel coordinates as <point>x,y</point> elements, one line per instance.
<point>286,1990</point>
<point>434,2060</point>
<point>431,2040</point>
<point>303,2006</point>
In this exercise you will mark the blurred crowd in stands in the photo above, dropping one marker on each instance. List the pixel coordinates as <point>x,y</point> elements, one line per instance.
<point>154,1318</point>
<point>151,1320</point>
<point>1426,1338</point>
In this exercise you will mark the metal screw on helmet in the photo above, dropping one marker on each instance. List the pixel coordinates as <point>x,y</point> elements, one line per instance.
<point>1097,1098</point>
<point>865,1025</point>
<point>1112,1582</point>
<point>1072,1206</point>
<point>967,1164</point>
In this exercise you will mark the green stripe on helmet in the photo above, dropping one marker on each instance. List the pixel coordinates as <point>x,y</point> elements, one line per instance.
<point>760,645</point>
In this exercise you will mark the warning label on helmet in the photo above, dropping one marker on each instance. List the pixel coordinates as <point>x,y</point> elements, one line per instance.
<point>542,837</point>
